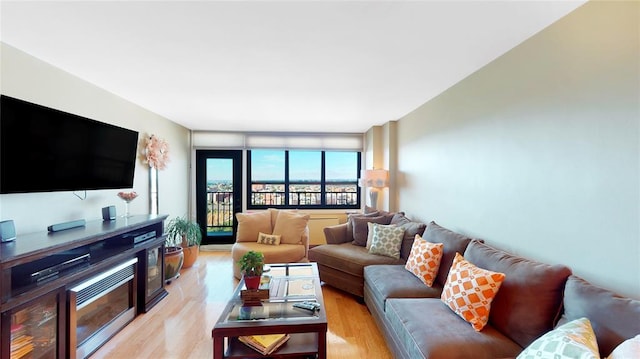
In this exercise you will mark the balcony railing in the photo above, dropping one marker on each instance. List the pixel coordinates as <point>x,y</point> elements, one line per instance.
<point>304,199</point>
<point>220,205</point>
<point>219,212</point>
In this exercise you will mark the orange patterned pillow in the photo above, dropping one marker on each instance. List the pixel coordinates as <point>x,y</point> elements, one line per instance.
<point>469,291</point>
<point>424,260</point>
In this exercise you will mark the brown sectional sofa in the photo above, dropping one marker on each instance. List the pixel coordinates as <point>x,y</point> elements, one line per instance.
<point>416,324</point>
<point>533,298</point>
<point>341,262</point>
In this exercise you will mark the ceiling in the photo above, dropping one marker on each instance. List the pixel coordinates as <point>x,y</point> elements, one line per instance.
<point>303,66</point>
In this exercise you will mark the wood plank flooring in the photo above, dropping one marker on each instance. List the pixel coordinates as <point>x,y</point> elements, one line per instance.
<point>180,325</point>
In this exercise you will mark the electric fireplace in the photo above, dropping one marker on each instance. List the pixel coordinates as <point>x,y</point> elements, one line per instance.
<point>100,306</point>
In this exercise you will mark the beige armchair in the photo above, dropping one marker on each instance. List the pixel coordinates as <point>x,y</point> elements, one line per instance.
<point>284,237</point>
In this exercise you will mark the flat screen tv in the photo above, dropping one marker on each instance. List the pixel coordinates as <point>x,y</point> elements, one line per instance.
<point>43,150</point>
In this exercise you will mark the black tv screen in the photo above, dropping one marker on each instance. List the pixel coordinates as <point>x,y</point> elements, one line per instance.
<point>43,150</point>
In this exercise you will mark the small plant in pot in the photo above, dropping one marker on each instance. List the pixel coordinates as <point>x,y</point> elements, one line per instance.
<point>187,234</point>
<point>251,264</point>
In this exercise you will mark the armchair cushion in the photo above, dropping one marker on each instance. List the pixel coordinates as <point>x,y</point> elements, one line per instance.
<point>251,224</point>
<point>270,239</point>
<point>290,226</point>
<point>283,253</point>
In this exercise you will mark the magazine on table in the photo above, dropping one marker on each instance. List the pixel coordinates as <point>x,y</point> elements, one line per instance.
<point>264,344</point>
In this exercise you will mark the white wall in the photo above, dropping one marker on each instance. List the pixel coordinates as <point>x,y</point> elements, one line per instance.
<point>538,152</point>
<point>28,78</point>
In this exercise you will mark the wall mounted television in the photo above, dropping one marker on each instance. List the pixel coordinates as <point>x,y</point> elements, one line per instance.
<point>44,150</point>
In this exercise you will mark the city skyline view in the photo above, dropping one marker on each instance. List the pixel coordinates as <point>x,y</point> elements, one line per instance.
<point>304,166</point>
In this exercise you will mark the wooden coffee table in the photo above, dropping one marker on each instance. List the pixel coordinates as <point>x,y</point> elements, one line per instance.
<point>290,283</point>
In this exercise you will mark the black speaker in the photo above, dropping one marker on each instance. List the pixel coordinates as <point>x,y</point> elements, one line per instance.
<point>7,231</point>
<point>109,213</point>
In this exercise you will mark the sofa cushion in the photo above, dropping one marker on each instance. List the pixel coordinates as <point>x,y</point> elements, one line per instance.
<point>453,243</point>
<point>291,226</point>
<point>361,228</point>
<point>574,339</point>
<point>252,223</point>
<point>271,239</point>
<point>399,218</point>
<point>394,281</point>
<point>469,291</point>
<point>528,302</point>
<point>410,231</point>
<point>428,329</point>
<point>424,260</point>
<point>357,215</point>
<point>386,240</point>
<point>614,318</point>
<point>370,232</point>
<point>348,258</point>
<point>283,253</point>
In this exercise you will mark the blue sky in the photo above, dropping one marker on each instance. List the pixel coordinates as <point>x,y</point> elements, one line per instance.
<point>304,165</point>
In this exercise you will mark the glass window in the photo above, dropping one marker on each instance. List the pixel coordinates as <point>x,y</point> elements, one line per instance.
<point>342,178</point>
<point>267,178</point>
<point>298,178</point>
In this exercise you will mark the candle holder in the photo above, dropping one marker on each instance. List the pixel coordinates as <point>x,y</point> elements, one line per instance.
<point>127,197</point>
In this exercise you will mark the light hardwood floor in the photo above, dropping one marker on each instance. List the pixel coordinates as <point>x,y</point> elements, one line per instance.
<point>180,325</point>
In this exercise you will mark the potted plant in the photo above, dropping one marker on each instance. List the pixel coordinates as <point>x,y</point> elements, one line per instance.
<point>251,264</point>
<point>173,260</point>
<point>187,234</point>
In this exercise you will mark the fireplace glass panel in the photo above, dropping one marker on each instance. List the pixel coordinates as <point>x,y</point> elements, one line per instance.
<point>100,306</point>
<point>97,314</point>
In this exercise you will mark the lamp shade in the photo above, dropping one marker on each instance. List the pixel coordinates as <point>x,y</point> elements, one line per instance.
<point>374,178</point>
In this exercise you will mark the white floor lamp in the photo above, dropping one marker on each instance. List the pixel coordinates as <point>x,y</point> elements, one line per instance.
<point>374,180</point>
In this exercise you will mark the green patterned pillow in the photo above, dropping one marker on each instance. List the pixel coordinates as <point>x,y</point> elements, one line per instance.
<point>573,340</point>
<point>386,240</point>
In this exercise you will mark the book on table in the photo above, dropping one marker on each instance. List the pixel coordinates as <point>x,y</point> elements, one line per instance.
<point>264,344</point>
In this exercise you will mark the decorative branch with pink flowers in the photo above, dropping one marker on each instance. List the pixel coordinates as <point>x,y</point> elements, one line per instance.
<point>156,152</point>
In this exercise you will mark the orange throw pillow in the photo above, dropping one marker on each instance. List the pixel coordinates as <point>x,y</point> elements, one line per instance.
<point>424,260</point>
<point>469,291</point>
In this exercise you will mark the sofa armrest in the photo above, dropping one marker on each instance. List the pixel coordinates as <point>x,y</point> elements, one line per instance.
<point>305,242</point>
<point>336,234</point>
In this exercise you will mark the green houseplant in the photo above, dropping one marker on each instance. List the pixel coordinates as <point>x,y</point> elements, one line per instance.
<point>182,245</point>
<point>251,264</point>
<point>185,233</point>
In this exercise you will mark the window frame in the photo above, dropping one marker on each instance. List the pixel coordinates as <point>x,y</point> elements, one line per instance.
<point>286,183</point>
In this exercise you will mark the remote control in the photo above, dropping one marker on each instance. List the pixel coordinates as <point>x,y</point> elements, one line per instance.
<point>315,304</point>
<point>305,306</point>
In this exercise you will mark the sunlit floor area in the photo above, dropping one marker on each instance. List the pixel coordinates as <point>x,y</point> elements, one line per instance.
<point>180,325</point>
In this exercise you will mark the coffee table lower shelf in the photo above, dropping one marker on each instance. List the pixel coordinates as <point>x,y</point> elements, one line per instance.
<point>300,345</point>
